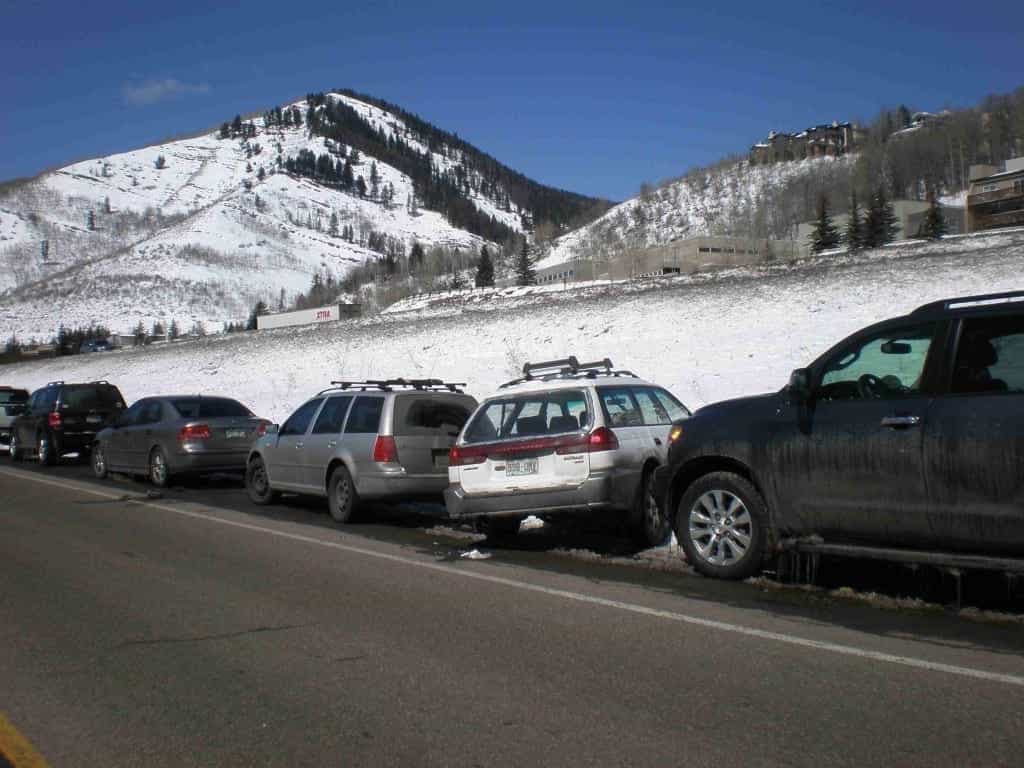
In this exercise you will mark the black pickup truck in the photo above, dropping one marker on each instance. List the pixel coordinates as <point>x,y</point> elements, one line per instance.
<point>908,434</point>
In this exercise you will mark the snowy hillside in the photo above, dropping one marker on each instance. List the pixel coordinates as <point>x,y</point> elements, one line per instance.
<point>720,201</point>
<point>198,229</point>
<point>695,334</point>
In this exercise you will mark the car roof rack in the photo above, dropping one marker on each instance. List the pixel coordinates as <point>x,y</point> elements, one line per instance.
<point>983,299</point>
<point>389,385</point>
<point>54,383</point>
<point>567,368</point>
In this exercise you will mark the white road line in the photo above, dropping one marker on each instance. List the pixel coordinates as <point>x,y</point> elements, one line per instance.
<point>579,597</point>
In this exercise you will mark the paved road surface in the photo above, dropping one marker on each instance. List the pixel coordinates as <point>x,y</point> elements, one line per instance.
<point>167,632</point>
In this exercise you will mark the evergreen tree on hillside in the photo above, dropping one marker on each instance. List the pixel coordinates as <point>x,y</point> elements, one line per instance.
<point>90,221</point>
<point>139,334</point>
<point>332,227</point>
<point>933,227</point>
<point>525,274</point>
<point>880,222</point>
<point>236,125</point>
<point>825,235</point>
<point>225,130</point>
<point>484,269</point>
<point>158,329</point>
<point>106,205</point>
<point>259,309</point>
<point>160,163</point>
<point>347,178</point>
<point>361,186</point>
<point>416,257</point>
<point>174,330</point>
<point>853,236</point>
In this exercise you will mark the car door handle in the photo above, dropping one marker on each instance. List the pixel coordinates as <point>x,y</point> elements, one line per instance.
<point>298,445</point>
<point>895,422</point>
<point>332,443</point>
<point>657,441</point>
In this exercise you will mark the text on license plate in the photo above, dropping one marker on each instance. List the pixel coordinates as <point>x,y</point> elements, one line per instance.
<point>517,467</point>
<point>232,434</point>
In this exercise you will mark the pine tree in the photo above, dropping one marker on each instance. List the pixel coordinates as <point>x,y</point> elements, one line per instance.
<point>225,130</point>
<point>173,330</point>
<point>158,329</point>
<point>236,125</point>
<point>933,227</point>
<point>261,174</point>
<point>332,228</point>
<point>825,236</point>
<point>347,179</point>
<point>259,309</point>
<point>361,186</point>
<point>160,162</point>
<point>525,274</point>
<point>853,237</point>
<point>484,269</point>
<point>106,205</point>
<point>880,223</point>
<point>90,221</point>
<point>416,256</point>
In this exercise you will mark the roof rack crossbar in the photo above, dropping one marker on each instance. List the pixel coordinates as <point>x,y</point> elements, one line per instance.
<point>945,304</point>
<point>388,385</point>
<point>567,368</point>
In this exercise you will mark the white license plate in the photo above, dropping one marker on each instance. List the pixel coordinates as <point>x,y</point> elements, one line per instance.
<point>94,419</point>
<point>518,467</point>
<point>234,434</point>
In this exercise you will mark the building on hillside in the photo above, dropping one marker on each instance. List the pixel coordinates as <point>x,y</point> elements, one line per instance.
<point>328,313</point>
<point>830,140</point>
<point>695,254</point>
<point>909,216</point>
<point>996,198</point>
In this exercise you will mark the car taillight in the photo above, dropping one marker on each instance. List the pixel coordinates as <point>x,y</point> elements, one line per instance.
<point>54,421</point>
<point>384,450</point>
<point>459,456</point>
<point>261,430</point>
<point>602,439</point>
<point>194,432</point>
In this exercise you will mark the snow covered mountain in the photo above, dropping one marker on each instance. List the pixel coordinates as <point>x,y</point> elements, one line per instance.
<point>733,198</point>
<point>198,229</point>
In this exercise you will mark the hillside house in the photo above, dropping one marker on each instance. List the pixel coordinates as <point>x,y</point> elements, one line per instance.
<point>830,140</point>
<point>996,198</point>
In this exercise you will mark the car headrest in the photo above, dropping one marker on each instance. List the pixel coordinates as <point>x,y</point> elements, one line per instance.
<point>564,424</point>
<point>531,425</point>
<point>979,353</point>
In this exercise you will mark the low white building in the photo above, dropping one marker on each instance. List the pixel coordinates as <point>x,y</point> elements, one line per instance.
<point>329,313</point>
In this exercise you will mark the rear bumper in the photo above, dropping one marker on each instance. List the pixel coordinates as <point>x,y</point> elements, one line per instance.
<point>198,463</point>
<point>70,442</point>
<point>386,485</point>
<point>594,494</point>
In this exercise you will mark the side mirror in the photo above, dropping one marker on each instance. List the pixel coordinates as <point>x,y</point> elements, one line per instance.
<point>271,429</point>
<point>800,384</point>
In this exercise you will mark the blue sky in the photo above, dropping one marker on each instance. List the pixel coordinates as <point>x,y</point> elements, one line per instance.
<point>590,96</point>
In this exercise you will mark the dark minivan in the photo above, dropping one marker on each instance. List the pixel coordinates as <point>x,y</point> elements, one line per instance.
<point>908,434</point>
<point>64,418</point>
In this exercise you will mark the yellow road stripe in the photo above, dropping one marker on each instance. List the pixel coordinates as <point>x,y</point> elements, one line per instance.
<point>16,749</point>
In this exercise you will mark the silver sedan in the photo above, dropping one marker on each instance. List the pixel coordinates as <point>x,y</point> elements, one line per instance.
<point>175,435</point>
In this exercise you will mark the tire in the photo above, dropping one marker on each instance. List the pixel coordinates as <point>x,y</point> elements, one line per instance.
<point>46,451</point>
<point>257,484</point>
<point>159,472</point>
<point>15,447</point>
<point>649,525</point>
<point>98,461</point>
<point>722,525</point>
<point>341,495</point>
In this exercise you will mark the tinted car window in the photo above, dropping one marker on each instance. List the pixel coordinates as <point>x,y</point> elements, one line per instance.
<point>332,416</point>
<point>152,414</point>
<point>90,398</point>
<point>13,396</point>
<point>673,407</point>
<point>47,399</point>
<point>887,365</point>
<point>131,416</point>
<point>365,416</point>
<point>620,407</point>
<point>542,413</point>
<point>429,415</point>
<point>298,422</point>
<point>990,356</point>
<point>210,408</point>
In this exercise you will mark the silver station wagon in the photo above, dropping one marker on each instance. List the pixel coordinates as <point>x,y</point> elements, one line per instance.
<point>362,440</point>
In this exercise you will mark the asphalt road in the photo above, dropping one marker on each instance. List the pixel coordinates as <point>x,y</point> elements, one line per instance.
<point>174,632</point>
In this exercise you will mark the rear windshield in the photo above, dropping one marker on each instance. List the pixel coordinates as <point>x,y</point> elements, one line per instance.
<point>90,398</point>
<point>528,415</point>
<point>210,408</point>
<point>13,396</point>
<point>430,415</point>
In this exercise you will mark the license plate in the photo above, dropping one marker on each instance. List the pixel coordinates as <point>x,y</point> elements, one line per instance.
<point>517,467</point>
<point>441,460</point>
<point>235,434</point>
<point>94,419</point>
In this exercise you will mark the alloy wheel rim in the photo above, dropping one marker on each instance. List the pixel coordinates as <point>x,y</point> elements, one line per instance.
<point>99,463</point>
<point>158,469</point>
<point>341,493</point>
<point>720,528</point>
<point>652,515</point>
<point>259,479</point>
<point>43,450</point>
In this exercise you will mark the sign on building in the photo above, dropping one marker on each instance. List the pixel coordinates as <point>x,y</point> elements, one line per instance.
<point>326,314</point>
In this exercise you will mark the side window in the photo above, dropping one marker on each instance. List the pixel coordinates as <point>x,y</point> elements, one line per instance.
<point>49,399</point>
<point>673,407</point>
<point>131,416</point>
<point>620,407</point>
<point>332,416</point>
<point>365,416</point>
<point>886,366</point>
<point>418,415</point>
<point>298,422</point>
<point>651,409</point>
<point>152,414</point>
<point>990,356</point>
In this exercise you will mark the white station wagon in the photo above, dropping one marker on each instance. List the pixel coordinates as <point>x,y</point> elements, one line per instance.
<point>567,437</point>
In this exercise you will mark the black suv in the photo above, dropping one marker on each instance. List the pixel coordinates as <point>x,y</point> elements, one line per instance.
<point>64,418</point>
<point>907,434</point>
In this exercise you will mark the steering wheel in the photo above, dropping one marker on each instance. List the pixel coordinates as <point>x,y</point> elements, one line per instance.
<point>870,386</point>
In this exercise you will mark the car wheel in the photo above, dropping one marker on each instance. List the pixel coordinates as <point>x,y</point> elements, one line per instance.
<point>257,484</point>
<point>45,449</point>
<point>15,448</point>
<point>99,461</point>
<point>722,524</point>
<point>159,472</point>
<point>649,525</point>
<point>341,495</point>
